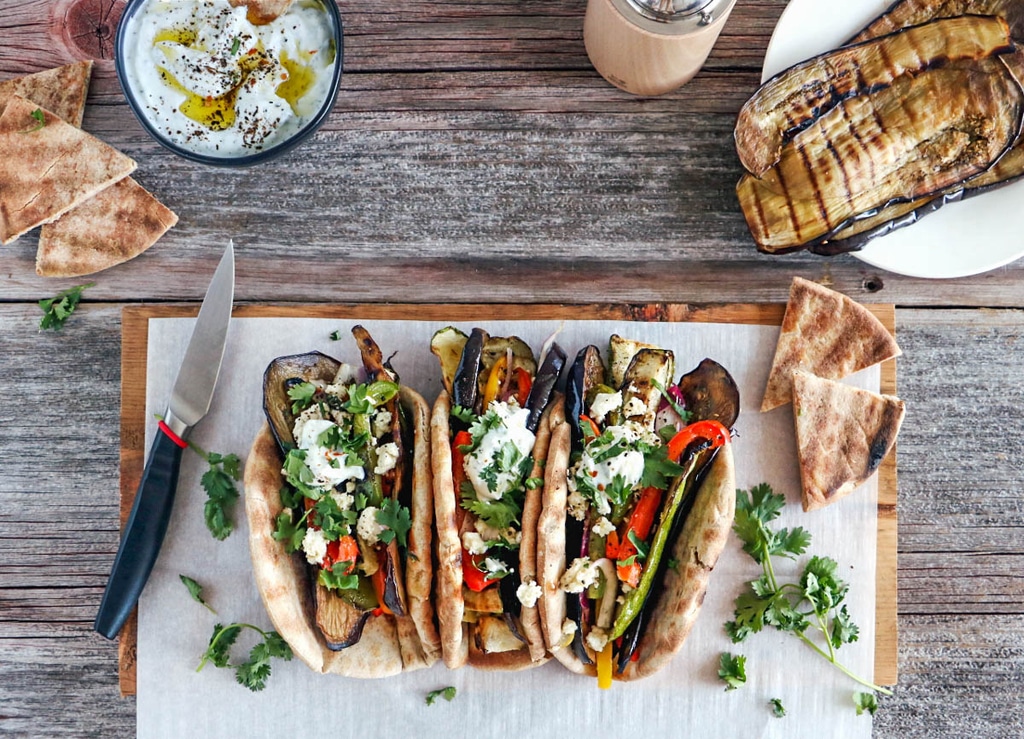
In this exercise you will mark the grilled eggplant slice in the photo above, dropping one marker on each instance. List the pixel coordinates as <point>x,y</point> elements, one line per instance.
<point>914,12</point>
<point>794,99</point>
<point>278,378</point>
<point>914,139</point>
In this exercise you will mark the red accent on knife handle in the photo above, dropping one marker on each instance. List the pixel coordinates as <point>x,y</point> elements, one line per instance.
<point>173,436</point>
<point>143,535</point>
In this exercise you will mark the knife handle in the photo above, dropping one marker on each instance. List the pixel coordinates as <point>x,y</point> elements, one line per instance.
<point>143,535</point>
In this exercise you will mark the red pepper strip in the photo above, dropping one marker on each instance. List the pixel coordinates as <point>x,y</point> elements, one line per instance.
<point>640,522</point>
<point>712,431</point>
<point>612,546</point>
<point>344,549</point>
<point>593,426</point>
<point>463,438</point>
<point>523,384</point>
<point>475,578</point>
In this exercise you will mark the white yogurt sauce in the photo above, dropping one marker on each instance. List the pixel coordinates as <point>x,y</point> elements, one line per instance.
<point>214,83</point>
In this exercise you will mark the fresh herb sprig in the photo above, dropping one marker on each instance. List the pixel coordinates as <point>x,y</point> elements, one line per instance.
<point>252,673</point>
<point>196,591</point>
<point>221,493</point>
<point>39,117</point>
<point>732,669</point>
<point>58,309</point>
<point>447,693</point>
<point>813,603</point>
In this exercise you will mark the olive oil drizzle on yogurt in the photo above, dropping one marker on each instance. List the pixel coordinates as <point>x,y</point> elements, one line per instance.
<point>236,82</point>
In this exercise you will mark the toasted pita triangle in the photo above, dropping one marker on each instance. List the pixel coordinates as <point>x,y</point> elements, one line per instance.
<point>48,167</point>
<point>825,333</point>
<point>113,226</point>
<point>61,90</point>
<point>842,433</point>
<point>260,12</point>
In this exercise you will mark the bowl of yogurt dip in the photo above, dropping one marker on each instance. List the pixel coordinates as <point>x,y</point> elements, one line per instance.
<point>230,82</point>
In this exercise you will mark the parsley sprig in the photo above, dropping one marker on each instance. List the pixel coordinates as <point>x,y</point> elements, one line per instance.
<point>812,604</point>
<point>447,693</point>
<point>252,673</point>
<point>58,309</point>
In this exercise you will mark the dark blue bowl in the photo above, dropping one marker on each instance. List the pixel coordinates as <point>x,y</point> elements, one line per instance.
<point>240,160</point>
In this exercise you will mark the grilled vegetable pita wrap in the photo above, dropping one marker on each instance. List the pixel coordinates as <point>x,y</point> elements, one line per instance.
<point>639,496</point>
<point>339,499</point>
<point>489,438</point>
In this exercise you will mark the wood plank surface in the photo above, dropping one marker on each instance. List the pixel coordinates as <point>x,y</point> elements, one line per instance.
<point>473,156</point>
<point>134,344</point>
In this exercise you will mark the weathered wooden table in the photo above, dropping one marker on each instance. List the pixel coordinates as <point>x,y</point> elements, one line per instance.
<point>474,155</point>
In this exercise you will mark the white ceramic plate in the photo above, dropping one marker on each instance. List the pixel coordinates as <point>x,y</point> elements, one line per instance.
<point>961,239</point>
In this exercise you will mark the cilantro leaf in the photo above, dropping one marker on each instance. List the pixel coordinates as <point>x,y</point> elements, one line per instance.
<point>865,702</point>
<point>447,693</point>
<point>363,399</point>
<point>766,602</point>
<point>732,670</point>
<point>252,673</point>
<point>778,710</point>
<point>659,470</point>
<point>196,591</point>
<point>301,395</point>
<point>532,483</point>
<point>219,484</point>
<point>465,415</point>
<point>289,532</point>
<point>396,518</point>
<point>336,577</point>
<point>56,310</point>
<point>500,514</point>
<point>39,117</point>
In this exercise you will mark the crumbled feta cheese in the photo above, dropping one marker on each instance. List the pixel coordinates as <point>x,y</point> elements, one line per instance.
<point>474,543</point>
<point>568,627</point>
<point>582,573</point>
<point>495,567</point>
<point>624,469</point>
<point>381,422</point>
<point>576,505</point>
<point>597,639</point>
<point>346,375</point>
<point>488,532</point>
<point>314,545</point>
<point>603,404</point>
<point>634,407</point>
<point>344,500</point>
<point>387,458</point>
<point>602,527</point>
<point>528,593</point>
<point>337,389</point>
<point>367,527</point>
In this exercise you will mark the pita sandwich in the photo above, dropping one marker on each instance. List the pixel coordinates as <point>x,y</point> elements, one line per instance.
<point>115,225</point>
<point>843,433</point>
<point>389,644</point>
<point>47,167</point>
<point>826,333</point>
<point>61,90</point>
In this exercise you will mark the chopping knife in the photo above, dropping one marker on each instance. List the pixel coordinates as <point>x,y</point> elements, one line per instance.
<point>190,401</point>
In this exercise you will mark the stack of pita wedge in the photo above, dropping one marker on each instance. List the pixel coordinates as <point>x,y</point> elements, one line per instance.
<point>843,433</point>
<point>53,174</point>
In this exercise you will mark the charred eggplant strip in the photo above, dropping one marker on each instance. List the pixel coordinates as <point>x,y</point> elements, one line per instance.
<point>891,146</point>
<point>794,99</point>
<point>586,373</point>
<point>465,385</point>
<point>905,13</point>
<point>544,385</point>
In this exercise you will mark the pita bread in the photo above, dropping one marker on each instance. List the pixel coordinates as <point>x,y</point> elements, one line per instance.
<point>46,171</point>
<point>825,333</point>
<point>61,90</point>
<point>458,640</point>
<point>388,645</point>
<point>697,549</point>
<point>113,226</point>
<point>843,433</point>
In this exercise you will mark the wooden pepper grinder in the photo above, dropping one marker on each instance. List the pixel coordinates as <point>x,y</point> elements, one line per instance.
<point>650,47</point>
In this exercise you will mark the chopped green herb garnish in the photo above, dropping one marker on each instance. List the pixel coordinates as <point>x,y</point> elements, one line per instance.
<point>252,673</point>
<point>865,702</point>
<point>732,670</point>
<point>335,335</point>
<point>778,710</point>
<point>56,310</point>
<point>39,117</point>
<point>446,693</point>
<point>196,591</point>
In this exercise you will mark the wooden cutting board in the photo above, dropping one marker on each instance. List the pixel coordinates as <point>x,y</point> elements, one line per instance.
<point>134,342</point>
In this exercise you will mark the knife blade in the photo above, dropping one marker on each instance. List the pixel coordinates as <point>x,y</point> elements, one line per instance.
<point>190,401</point>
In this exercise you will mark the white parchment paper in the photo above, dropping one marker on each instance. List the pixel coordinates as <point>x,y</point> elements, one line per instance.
<point>686,699</point>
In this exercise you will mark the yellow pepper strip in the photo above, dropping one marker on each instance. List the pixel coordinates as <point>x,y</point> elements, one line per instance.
<point>604,667</point>
<point>495,380</point>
